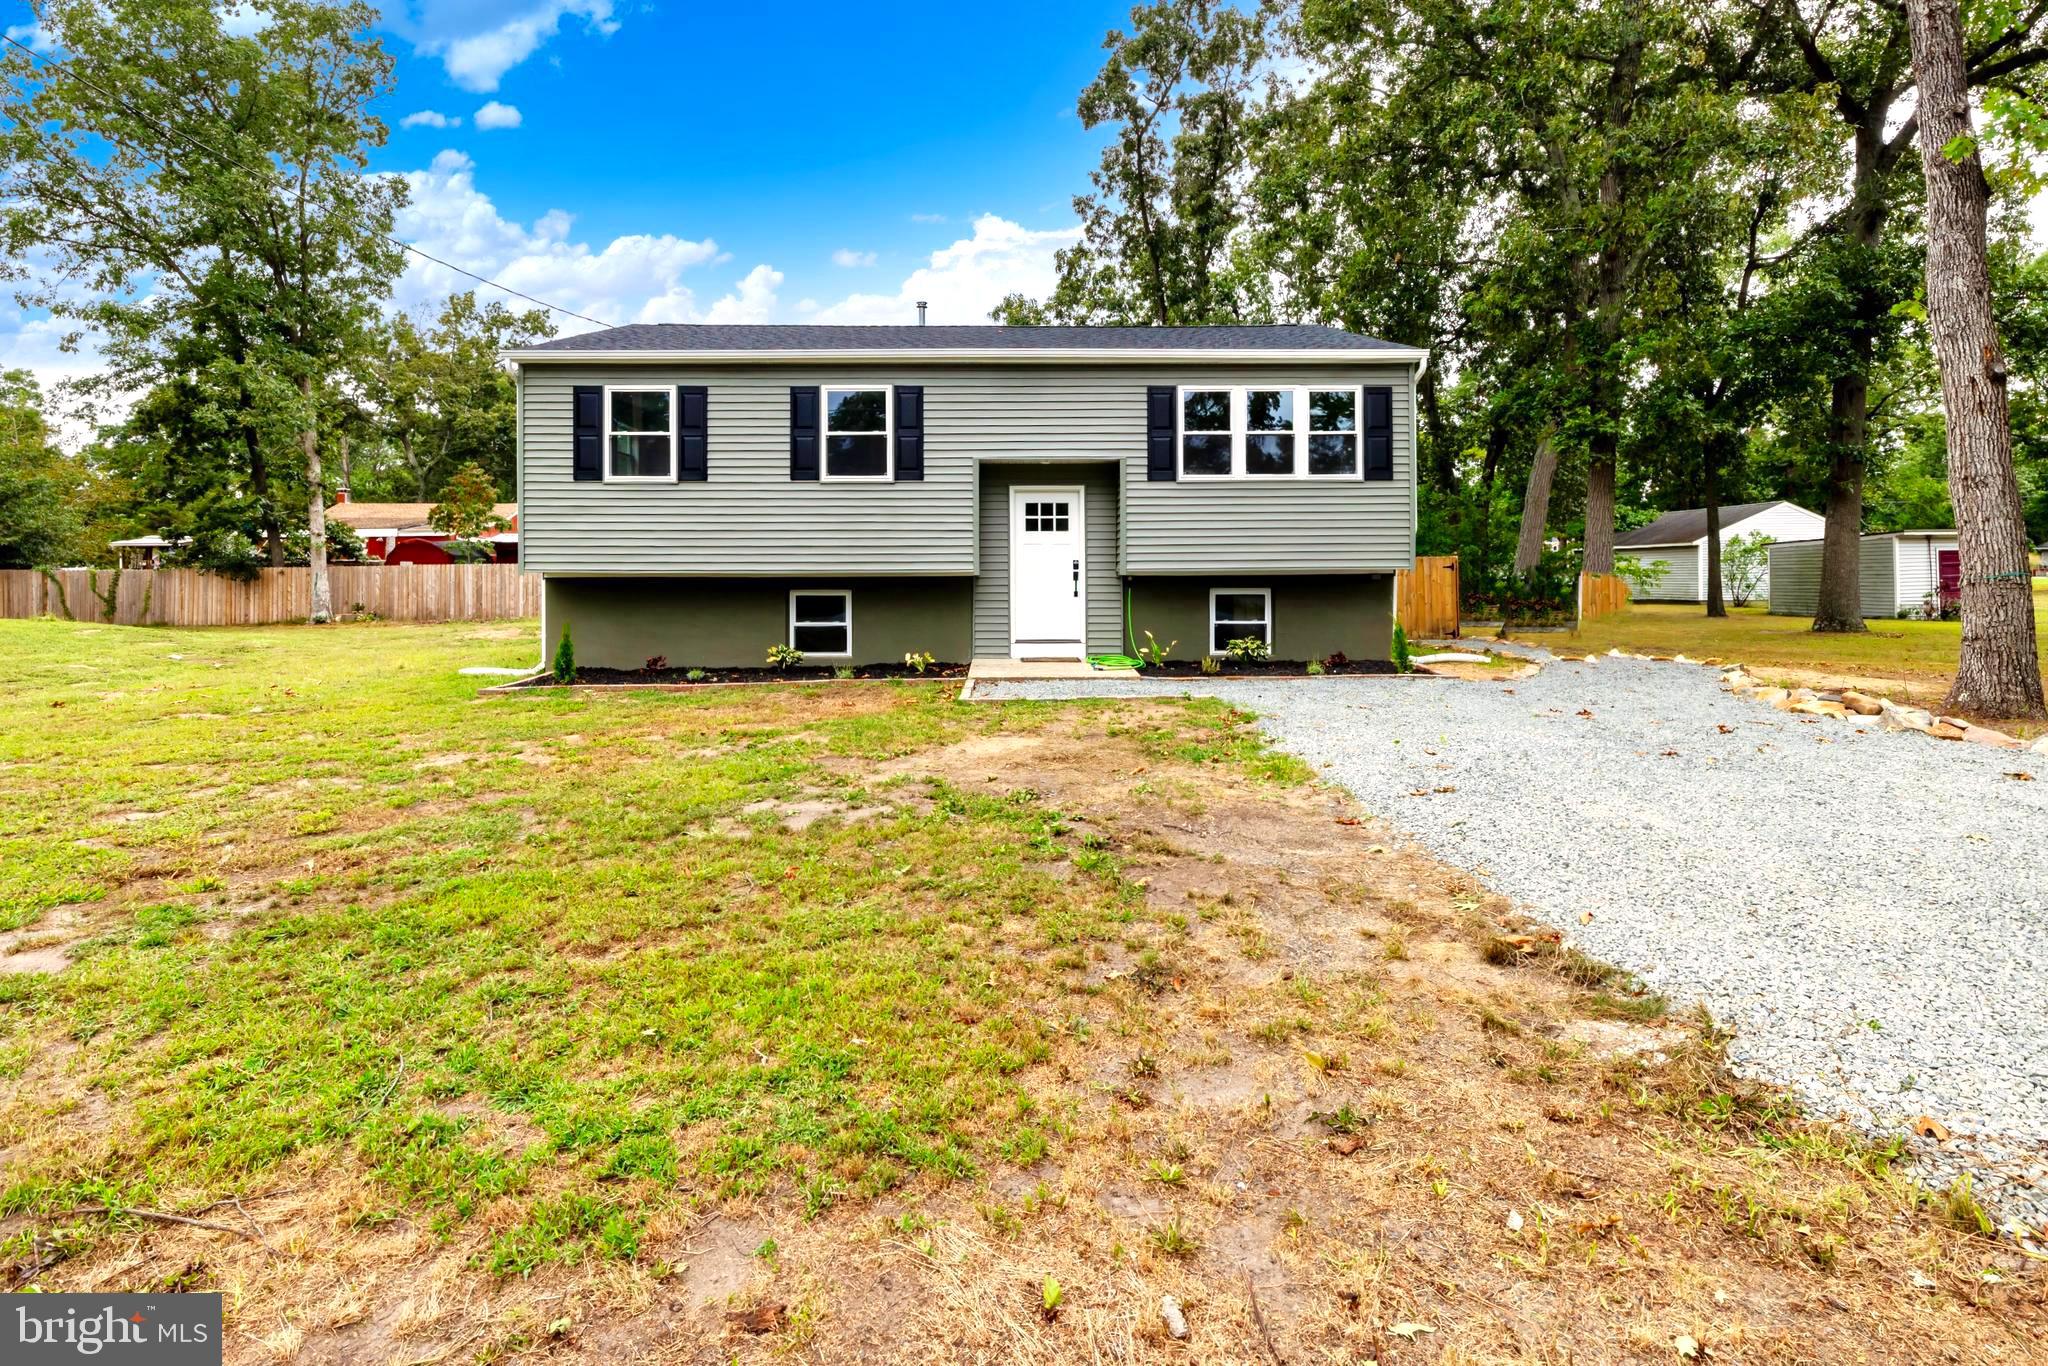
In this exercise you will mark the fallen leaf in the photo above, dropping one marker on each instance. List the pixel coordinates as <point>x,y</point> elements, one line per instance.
<point>1670,754</point>
<point>1410,1330</point>
<point>2021,777</point>
<point>1347,1145</point>
<point>1585,917</point>
<point>1377,849</point>
<point>1725,730</point>
<point>1921,1280</point>
<point>1585,713</point>
<point>1349,820</point>
<point>1927,1126</point>
<point>1514,1221</point>
<point>1447,789</point>
<point>1685,1347</point>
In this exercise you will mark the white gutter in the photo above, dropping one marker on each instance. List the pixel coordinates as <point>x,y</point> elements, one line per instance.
<point>1391,355</point>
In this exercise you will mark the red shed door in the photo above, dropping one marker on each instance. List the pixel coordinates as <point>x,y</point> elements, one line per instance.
<point>1951,571</point>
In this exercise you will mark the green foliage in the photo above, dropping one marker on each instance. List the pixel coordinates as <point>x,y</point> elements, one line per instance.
<point>565,660</point>
<point>1316,669</point>
<point>693,675</point>
<point>1209,664</point>
<point>465,510</point>
<point>1744,562</point>
<point>1248,650</point>
<point>917,661</point>
<point>1398,653</point>
<point>1153,653</point>
<point>782,656</point>
<point>1642,575</point>
<point>39,520</point>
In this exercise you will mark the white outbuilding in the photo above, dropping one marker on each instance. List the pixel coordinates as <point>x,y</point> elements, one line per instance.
<point>1901,574</point>
<point>1678,540</point>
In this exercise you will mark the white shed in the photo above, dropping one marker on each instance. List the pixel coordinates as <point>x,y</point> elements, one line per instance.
<point>1898,572</point>
<point>1678,540</point>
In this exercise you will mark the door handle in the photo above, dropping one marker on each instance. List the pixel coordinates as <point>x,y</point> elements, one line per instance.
<point>1077,578</point>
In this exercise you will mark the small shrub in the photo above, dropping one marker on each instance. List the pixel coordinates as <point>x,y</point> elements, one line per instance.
<point>784,656</point>
<point>1403,659</point>
<point>844,671</point>
<point>656,663</point>
<point>565,659</point>
<point>1153,653</point>
<point>1210,665</point>
<point>1174,1240</point>
<point>917,661</point>
<point>1248,650</point>
<point>694,675</point>
<point>1335,660</point>
<point>1315,668</point>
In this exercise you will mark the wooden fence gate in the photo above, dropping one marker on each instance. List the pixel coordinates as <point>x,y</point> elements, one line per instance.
<point>1426,597</point>
<point>1601,595</point>
<point>188,597</point>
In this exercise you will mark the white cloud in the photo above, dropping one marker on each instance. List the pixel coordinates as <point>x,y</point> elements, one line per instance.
<point>927,218</point>
<point>478,41</point>
<point>495,115</point>
<point>966,280</point>
<point>34,36</point>
<point>430,118</point>
<point>850,259</point>
<point>635,278</point>
<point>244,20</point>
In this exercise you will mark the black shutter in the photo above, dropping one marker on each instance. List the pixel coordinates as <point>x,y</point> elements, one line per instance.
<point>588,416</point>
<point>910,431</point>
<point>803,432</point>
<point>1379,433</point>
<point>1159,433</point>
<point>692,402</point>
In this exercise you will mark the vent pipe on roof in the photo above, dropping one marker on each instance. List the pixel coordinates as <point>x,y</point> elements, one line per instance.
<point>920,313</point>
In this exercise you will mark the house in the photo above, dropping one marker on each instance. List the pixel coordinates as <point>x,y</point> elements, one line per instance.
<point>1901,573</point>
<point>1679,541</point>
<point>703,492</point>
<point>401,533</point>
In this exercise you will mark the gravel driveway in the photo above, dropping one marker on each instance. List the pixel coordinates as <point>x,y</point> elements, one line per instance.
<point>1867,911</point>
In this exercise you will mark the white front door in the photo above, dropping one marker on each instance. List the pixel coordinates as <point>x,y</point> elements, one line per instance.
<point>1048,575</point>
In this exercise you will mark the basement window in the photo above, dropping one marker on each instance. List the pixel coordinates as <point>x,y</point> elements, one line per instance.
<point>1235,613</point>
<point>821,622</point>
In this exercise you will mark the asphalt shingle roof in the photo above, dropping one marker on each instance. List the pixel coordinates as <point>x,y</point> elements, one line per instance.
<point>1681,528</point>
<point>949,337</point>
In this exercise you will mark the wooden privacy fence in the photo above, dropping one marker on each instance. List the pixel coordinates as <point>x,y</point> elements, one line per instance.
<point>187,597</point>
<point>1426,597</point>
<point>1601,595</point>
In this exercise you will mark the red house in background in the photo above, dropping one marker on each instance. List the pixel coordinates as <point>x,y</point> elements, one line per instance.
<point>399,533</point>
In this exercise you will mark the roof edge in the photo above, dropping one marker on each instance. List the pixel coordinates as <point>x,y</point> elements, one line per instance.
<point>1404,355</point>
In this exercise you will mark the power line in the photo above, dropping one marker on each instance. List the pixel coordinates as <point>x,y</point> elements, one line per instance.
<point>72,70</point>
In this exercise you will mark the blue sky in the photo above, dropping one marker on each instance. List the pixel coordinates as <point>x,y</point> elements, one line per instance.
<point>788,160</point>
<point>741,162</point>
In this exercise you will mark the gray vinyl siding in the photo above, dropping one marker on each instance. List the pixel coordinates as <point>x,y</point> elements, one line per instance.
<point>1795,578</point>
<point>1919,567</point>
<point>1099,519</point>
<point>749,517</point>
<point>1681,582</point>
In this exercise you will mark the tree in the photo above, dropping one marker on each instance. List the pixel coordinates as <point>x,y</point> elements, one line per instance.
<point>1999,673</point>
<point>1744,562</point>
<point>465,511</point>
<point>224,173</point>
<point>1160,230</point>
<point>38,523</point>
<point>1857,56</point>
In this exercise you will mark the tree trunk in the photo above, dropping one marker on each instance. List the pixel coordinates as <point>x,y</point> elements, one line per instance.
<point>1536,503</point>
<point>316,510</point>
<point>1717,605</point>
<point>1600,507</point>
<point>1443,463</point>
<point>259,489</point>
<point>1999,673</point>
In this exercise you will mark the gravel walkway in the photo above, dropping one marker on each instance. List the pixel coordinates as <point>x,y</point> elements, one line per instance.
<point>1867,911</point>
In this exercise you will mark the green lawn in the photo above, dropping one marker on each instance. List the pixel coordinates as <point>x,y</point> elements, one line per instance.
<point>558,908</point>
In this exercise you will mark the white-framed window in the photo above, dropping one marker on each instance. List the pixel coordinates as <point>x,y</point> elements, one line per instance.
<point>640,434</point>
<point>1235,613</point>
<point>859,435</point>
<point>1269,431</point>
<point>821,622</point>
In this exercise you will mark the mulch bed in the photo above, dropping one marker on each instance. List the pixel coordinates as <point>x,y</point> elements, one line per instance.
<point>1289,668</point>
<point>715,677</point>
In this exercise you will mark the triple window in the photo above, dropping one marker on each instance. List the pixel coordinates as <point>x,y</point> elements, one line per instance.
<point>858,433</point>
<point>640,434</point>
<point>1269,433</point>
<point>821,622</point>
